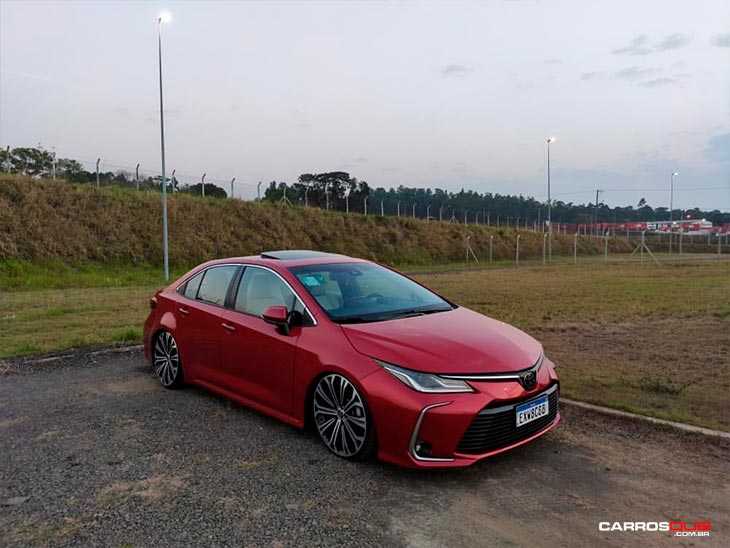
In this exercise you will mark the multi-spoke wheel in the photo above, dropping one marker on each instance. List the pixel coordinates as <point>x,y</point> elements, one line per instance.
<point>342,418</point>
<point>166,361</point>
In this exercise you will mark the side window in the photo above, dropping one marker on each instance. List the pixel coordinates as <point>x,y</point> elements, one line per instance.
<point>215,284</point>
<point>191,287</point>
<point>260,289</point>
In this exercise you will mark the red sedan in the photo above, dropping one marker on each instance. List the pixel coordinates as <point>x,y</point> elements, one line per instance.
<point>373,361</point>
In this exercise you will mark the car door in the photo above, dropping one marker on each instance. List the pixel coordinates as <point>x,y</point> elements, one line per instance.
<point>258,359</point>
<point>200,322</point>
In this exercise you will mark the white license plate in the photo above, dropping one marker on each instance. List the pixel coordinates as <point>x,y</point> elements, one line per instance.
<point>528,412</point>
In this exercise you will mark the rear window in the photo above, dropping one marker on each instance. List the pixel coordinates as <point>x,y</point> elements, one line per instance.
<point>192,286</point>
<point>214,285</point>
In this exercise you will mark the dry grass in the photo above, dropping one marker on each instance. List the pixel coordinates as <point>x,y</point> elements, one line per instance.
<point>47,220</point>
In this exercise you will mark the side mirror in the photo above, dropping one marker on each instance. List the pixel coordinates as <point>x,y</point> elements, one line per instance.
<point>278,316</point>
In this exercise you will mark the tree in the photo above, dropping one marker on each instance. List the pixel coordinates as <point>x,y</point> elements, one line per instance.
<point>210,190</point>
<point>31,161</point>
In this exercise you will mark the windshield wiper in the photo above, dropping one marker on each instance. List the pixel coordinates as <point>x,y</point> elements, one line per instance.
<point>412,312</point>
<point>356,319</point>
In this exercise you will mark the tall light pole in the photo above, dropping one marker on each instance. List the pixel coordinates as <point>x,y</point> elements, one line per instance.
<point>232,181</point>
<point>671,207</point>
<point>595,213</point>
<point>97,172</point>
<point>202,184</point>
<point>258,191</point>
<point>136,176</point>
<point>163,18</point>
<point>550,205</point>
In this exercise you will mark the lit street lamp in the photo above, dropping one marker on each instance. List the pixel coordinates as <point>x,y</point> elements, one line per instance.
<point>550,206</point>
<point>163,18</point>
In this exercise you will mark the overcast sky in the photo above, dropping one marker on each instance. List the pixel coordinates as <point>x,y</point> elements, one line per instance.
<point>425,94</point>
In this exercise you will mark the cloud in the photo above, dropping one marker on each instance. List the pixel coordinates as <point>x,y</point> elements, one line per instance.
<point>553,61</point>
<point>454,70</point>
<point>721,40</point>
<point>637,46</point>
<point>657,82</point>
<point>673,41</point>
<point>589,75</point>
<point>633,73</point>
<point>718,148</point>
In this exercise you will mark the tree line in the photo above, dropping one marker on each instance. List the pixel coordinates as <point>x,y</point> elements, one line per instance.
<point>339,191</point>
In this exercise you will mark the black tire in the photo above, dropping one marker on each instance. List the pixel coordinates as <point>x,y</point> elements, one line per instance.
<point>166,361</point>
<point>342,418</point>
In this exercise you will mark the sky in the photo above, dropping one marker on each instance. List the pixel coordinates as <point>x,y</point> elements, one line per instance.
<point>425,94</point>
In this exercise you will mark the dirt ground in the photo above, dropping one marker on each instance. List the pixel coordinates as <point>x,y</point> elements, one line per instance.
<point>95,453</point>
<point>671,367</point>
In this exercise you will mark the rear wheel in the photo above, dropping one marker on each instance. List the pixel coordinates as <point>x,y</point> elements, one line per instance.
<point>342,418</point>
<point>166,360</point>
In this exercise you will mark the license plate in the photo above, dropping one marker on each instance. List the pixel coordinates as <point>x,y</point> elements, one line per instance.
<point>528,412</point>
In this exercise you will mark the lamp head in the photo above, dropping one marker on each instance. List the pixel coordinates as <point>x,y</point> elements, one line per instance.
<point>551,140</point>
<point>164,17</point>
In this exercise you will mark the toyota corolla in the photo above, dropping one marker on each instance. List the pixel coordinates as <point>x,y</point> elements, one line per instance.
<point>374,362</point>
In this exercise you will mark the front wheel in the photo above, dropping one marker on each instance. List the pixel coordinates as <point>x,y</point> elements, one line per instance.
<point>343,421</point>
<point>166,361</point>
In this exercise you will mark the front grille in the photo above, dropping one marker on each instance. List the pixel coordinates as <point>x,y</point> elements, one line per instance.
<point>494,428</point>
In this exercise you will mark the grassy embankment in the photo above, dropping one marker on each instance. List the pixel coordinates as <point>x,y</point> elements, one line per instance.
<point>58,221</point>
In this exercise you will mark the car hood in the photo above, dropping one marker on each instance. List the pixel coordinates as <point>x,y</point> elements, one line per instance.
<point>457,341</point>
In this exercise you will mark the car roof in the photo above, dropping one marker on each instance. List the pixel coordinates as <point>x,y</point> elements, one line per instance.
<point>290,257</point>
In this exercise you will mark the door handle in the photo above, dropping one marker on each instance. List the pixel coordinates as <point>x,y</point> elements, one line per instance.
<point>228,327</point>
<point>184,311</point>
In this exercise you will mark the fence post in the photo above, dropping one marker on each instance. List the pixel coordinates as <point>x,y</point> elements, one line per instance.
<point>517,252</point>
<point>643,243</point>
<point>365,205</point>
<point>491,246</point>
<point>544,243</point>
<point>605,247</point>
<point>575,248</point>
<point>681,237</point>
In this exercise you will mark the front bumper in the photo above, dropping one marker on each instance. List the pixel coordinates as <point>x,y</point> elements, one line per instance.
<point>405,418</point>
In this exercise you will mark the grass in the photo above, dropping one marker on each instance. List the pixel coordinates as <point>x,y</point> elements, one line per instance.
<point>62,223</point>
<point>650,339</point>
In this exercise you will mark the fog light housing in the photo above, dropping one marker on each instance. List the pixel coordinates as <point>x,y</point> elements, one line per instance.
<point>422,448</point>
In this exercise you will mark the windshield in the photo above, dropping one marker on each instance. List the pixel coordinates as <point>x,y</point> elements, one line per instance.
<point>366,292</point>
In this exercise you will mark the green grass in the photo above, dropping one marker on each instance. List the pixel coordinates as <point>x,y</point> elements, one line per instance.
<point>650,339</point>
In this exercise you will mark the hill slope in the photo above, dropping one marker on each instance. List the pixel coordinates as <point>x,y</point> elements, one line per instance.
<point>43,219</point>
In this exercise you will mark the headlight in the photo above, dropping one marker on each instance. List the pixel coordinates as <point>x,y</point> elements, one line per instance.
<point>425,382</point>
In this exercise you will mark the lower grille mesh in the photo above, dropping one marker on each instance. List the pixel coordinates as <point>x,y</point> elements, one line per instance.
<point>492,429</point>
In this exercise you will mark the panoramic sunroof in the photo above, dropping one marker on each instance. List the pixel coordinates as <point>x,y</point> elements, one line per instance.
<point>293,254</point>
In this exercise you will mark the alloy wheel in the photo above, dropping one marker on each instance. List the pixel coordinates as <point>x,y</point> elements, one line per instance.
<point>166,360</point>
<point>340,415</point>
